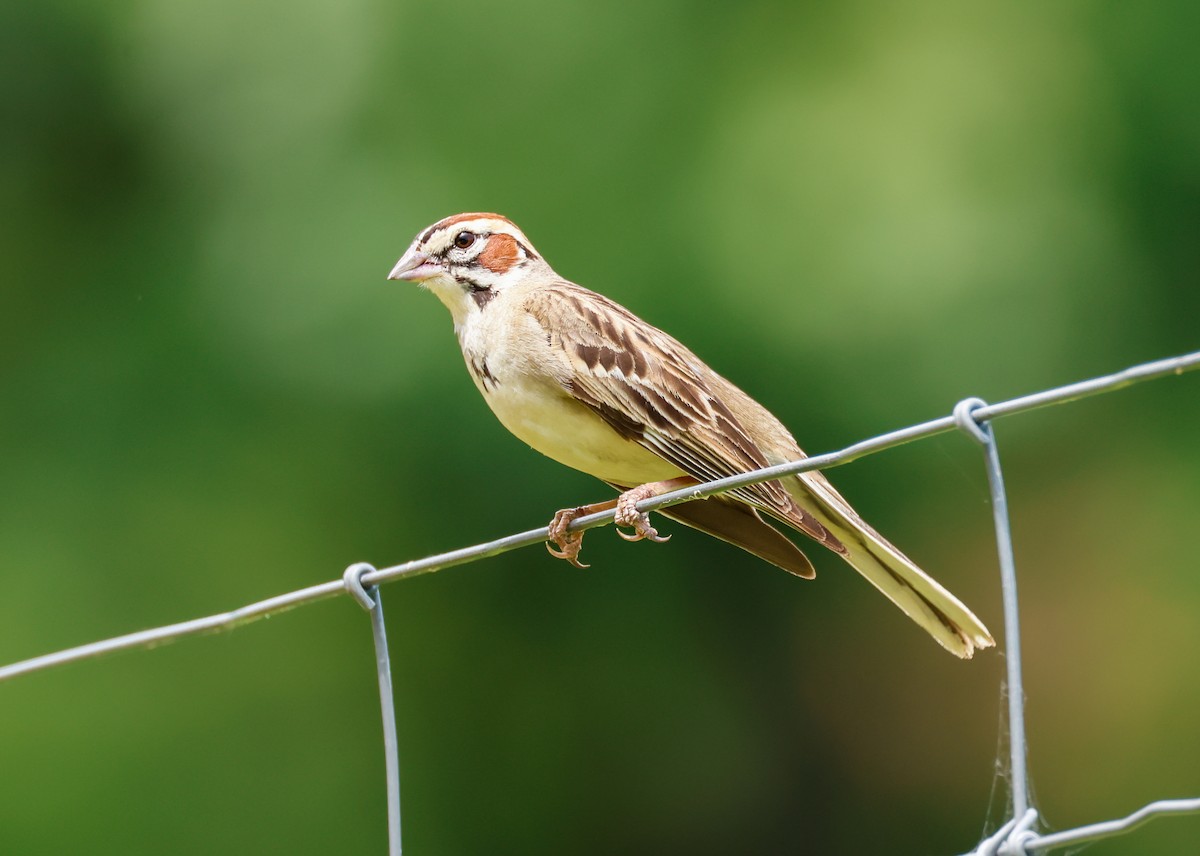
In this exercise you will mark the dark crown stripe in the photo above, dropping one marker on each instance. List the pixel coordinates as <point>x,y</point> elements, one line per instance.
<point>462,218</point>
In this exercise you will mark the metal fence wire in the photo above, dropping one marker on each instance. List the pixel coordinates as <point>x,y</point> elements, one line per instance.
<point>1017,836</point>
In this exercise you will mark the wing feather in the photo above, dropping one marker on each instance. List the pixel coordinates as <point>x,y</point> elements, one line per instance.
<point>653,391</point>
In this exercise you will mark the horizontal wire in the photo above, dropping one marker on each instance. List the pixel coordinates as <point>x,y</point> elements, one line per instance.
<point>1109,828</point>
<point>280,603</point>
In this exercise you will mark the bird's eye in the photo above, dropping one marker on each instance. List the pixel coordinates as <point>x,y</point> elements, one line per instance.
<point>464,239</point>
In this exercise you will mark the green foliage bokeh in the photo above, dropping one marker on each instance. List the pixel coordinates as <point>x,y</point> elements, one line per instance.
<point>861,213</point>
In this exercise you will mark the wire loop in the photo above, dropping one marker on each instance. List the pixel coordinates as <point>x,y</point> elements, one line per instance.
<point>1017,842</point>
<point>964,418</point>
<point>352,580</point>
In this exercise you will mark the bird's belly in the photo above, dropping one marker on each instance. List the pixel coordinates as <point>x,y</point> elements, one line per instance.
<point>561,428</point>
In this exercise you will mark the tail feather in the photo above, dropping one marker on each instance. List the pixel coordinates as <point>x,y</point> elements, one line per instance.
<point>740,525</point>
<point>918,595</point>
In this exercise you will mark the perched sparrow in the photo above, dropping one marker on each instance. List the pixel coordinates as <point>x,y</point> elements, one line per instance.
<point>589,384</point>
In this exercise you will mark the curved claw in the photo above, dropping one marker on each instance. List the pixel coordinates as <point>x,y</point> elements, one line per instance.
<point>569,551</point>
<point>643,530</point>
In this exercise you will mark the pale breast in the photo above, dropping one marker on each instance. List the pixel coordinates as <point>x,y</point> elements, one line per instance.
<point>572,434</point>
<point>514,371</point>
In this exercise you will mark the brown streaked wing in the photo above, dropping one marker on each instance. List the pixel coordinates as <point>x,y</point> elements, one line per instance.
<point>651,389</point>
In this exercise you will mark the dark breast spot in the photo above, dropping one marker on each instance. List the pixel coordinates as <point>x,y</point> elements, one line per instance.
<point>482,296</point>
<point>480,369</point>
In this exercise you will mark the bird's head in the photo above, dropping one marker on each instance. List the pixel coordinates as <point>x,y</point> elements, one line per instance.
<point>469,259</point>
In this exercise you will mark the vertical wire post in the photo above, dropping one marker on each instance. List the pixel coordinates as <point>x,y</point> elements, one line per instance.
<point>982,434</point>
<point>371,600</point>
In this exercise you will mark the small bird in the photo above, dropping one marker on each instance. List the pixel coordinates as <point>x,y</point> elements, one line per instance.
<point>586,382</point>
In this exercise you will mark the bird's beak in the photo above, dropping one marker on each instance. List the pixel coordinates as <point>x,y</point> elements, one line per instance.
<point>415,266</point>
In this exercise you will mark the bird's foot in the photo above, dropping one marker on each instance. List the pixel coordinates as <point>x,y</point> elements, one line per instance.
<point>564,544</point>
<point>629,517</point>
<point>570,543</point>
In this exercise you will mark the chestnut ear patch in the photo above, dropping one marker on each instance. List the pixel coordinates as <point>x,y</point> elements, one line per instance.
<point>500,254</point>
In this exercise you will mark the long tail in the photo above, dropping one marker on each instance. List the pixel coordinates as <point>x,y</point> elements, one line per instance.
<point>918,595</point>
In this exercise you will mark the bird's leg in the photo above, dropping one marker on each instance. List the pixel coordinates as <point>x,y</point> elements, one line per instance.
<point>570,543</point>
<point>628,515</point>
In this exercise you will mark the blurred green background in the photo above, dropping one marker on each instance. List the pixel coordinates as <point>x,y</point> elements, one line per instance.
<point>859,212</point>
